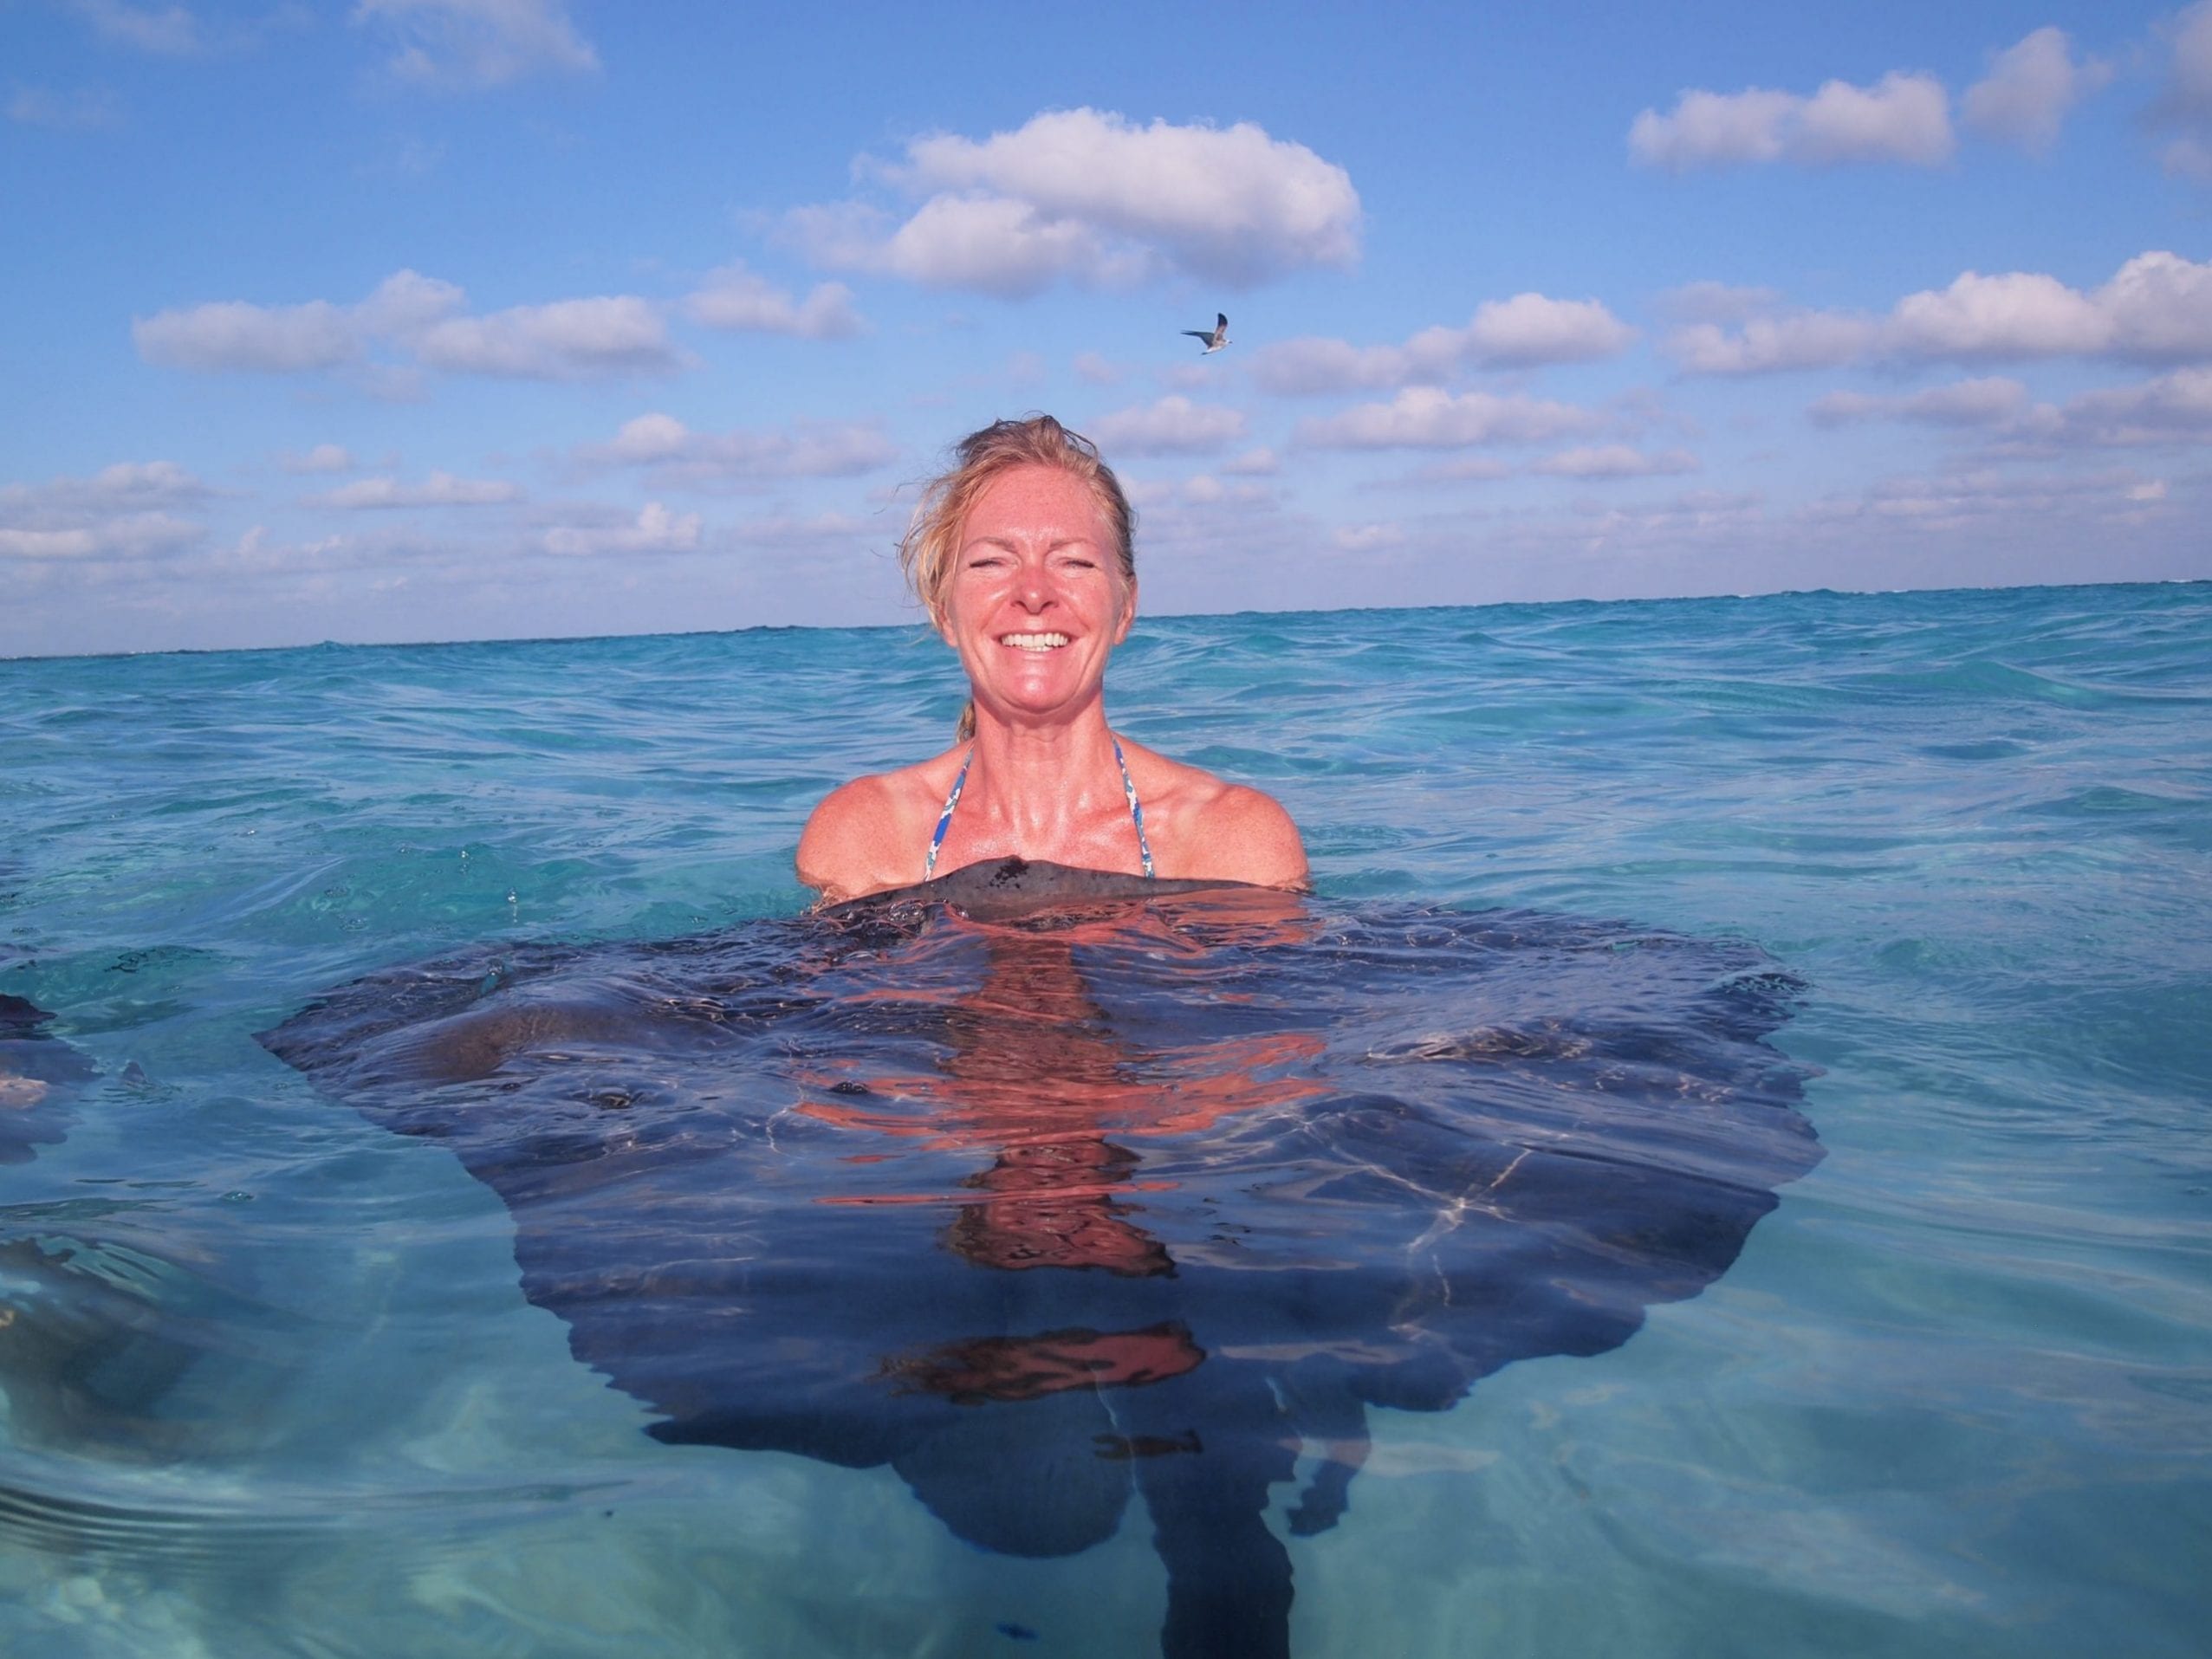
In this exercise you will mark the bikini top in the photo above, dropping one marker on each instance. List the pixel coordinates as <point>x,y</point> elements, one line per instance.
<point>1128,789</point>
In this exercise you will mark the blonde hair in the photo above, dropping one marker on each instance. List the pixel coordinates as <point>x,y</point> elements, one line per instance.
<point>928,553</point>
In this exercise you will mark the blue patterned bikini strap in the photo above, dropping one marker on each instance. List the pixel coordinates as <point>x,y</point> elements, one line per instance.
<point>1136,810</point>
<point>1128,791</point>
<point>945,818</point>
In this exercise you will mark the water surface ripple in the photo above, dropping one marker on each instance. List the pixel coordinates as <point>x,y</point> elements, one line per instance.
<point>273,1383</point>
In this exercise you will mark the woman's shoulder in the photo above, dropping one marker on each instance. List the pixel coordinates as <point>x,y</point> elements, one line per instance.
<point>1205,827</point>
<point>873,834</point>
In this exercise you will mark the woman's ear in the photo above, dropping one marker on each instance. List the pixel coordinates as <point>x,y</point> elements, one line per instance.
<point>1128,613</point>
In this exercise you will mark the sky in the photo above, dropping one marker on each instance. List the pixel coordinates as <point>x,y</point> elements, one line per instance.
<point>427,320</point>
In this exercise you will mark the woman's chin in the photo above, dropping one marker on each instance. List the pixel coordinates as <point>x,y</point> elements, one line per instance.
<point>1037,693</point>
<point>1034,710</point>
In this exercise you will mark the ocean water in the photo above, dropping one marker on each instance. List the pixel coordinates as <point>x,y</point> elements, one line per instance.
<point>273,1383</point>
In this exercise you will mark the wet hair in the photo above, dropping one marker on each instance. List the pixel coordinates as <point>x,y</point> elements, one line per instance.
<point>929,552</point>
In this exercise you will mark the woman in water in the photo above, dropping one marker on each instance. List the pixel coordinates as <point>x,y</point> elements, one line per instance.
<point>1023,556</point>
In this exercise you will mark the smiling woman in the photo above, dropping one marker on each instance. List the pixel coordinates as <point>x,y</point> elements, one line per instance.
<point>1024,555</point>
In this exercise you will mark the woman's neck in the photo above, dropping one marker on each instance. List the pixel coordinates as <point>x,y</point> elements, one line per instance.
<point>1042,782</point>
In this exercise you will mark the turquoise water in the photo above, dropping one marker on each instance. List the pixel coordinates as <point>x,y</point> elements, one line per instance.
<point>1955,1397</point>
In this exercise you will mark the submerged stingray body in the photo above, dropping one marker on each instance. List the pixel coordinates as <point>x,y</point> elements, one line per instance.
<point>1046,1187</point>
<point>37,1074</point>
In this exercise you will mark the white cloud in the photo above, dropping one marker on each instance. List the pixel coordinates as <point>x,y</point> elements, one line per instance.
<point>647,439</point>
<point>439,490</point>
<point>126,484</point>
<point>477,42</point>
<point>1615,460</point>
<point>1523,332</point>
<point>166,31</point>
<point>656,530</point>
<point>82,111</point>
<point>2030,87</point>
<point>136,536</point>
<point>1770,345</point>
<point>2174,406</point>
<point>1367,538</point>
<point>2020,314</point>
<point>678,458</point>
<point>234,334</point>
<point>2184,105</point>
<point>115,513</point>
<point>1990,402</point>
<point>1905,118</point>
<point>2161,308</point>
<point>1902,118</point>
<point>987,243</point>
<point>1174,426</point>
<point>406,302</point>
<point>736,298</point>
<point>1529,329</point>
<point>419,317</point>
<point>323,457</point>
<point>1425,417</point>
<point>1253,463</point>
<point>1000,246</point>
<point>1983,495</point>
<point>1087,196</point>
<point>1711,128</point>
<point>2189,75</point>
<point>2158,307</point>
<point>567,340</point>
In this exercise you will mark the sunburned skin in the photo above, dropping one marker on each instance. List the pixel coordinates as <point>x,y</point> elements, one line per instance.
<point>19,1091</point>
<point>1034,605</point>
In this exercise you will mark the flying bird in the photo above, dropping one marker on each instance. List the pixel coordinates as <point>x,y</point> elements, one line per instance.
<point>1215,337</point>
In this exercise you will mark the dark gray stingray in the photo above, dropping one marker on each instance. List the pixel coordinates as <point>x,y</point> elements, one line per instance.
<point>38,1075</point>
<point>1045,1187</point>
<point>87,1355</point>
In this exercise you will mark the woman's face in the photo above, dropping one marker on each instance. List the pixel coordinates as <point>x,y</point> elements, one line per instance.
<point>1036,601</point>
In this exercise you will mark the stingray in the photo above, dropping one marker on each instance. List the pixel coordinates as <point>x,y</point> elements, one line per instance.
<point>98,1327</point>
<point>1050,1189</point>
<point>38,1074</point>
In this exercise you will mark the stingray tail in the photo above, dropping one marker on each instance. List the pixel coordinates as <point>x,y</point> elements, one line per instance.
<point>1227,1575</point>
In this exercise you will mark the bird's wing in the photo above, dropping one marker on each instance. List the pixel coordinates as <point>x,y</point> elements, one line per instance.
<point>1220,323</point>
<point>1199,333</point>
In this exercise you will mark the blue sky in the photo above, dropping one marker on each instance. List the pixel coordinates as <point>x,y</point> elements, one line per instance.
<point>469,319</point>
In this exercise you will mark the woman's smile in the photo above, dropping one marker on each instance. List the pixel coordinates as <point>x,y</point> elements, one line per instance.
<point>1036,601</point>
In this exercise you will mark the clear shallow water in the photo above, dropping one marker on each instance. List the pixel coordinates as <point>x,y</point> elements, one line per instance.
<point>1955,1396</point>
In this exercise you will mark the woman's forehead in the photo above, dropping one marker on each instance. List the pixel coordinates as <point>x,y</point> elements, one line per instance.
<point>1033,500</point>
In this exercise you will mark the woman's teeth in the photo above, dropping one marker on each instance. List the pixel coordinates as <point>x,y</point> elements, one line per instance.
<point>1034,641</point>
